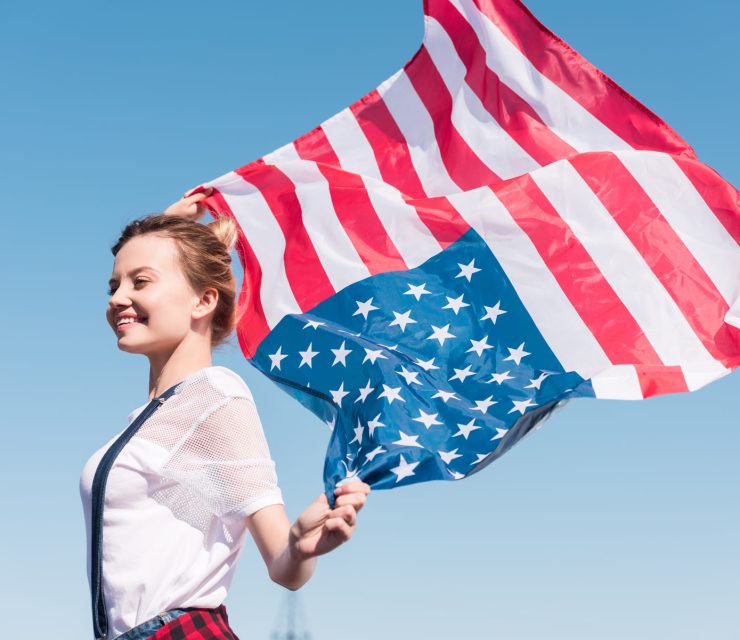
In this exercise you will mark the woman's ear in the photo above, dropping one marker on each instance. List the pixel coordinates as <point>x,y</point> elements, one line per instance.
<point>206,303</point>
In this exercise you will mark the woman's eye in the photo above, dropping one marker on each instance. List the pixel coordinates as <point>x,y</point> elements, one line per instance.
<point>110,291</point>
<point>138,280</point>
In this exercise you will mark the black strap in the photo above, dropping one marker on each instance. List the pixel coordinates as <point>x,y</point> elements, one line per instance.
<point>99,612</point>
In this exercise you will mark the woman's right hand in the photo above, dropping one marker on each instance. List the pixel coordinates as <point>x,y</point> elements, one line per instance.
<point>190,206</point>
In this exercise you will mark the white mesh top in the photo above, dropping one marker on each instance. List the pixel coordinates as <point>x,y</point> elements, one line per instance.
<point>176,499</point>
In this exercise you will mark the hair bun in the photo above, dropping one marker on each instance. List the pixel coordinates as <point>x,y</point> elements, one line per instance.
<point>225,229</point>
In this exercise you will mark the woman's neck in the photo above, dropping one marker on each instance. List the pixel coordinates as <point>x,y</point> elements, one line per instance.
<point>166,370</point>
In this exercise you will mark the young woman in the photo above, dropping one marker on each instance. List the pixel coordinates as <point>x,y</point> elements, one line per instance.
<point>169,501</point>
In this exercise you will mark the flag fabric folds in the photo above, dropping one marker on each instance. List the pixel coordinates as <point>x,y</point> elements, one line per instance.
<point>496,229</point>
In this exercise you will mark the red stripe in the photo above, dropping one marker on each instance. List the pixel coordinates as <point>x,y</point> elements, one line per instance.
<point>396,168</point>
<point>659,380</point>
<point>307,277</point>
<point>466,169</point>
<point>669,259</point>
<point>388,145</point>
<point>352,206</point>
<point>721,197</point>
<point>512,112</point>
<point>601,309</point>
<point>590,87</point>
<point>252,326</point>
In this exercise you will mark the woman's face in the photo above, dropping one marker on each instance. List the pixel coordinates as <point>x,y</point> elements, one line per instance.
<point>148,287</point>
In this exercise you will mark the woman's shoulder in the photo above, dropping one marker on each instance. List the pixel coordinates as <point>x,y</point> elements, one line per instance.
<point>227,382</point>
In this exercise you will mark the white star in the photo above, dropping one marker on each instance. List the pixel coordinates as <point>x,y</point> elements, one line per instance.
<point>365,392</point>
<point>467,270</point>
<point>465,429</point>
<point>307,356</point>
<point>517,354</point>
<point>455,304</point>
<point>364,307</point>
<point>417,291</point>
<point>461,374</point>
<point>378,450</point>
<point>492,313</point>
<point>480,458</point>
<point>445,395</point>
<point>404,469</point>
<point>340,355</point>
<point>409,376</point>
<point>427,419</point>
<point>373,355</point>
<point>441,334</point>
<point>449,456</point>
<point>374,424</point>
<point>338,394</point>
<point>359,429</point>
<point>314,324</point>
<point>407,440</point>
<point>392,393</point>
<point>456,475</point>
<point>500,433</point>
<point>535,384</point>
<point>277,357</point>
<point>522,405</point>
<point>331,423</point>
<point>427,365</point>
<point>402,319</point>
<point>499,377</point>
<point>479,346</point>
<point>483,405</point>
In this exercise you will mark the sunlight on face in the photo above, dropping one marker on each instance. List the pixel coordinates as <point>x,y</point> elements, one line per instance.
<point>148,284</point>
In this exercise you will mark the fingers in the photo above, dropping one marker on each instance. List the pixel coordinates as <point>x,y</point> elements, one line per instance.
<point>204,194</point>
<point>356,500</point>
<point>347,513</point>
<point>340,527</point>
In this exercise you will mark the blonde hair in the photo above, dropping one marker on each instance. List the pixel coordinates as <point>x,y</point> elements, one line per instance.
<point>204,252</point>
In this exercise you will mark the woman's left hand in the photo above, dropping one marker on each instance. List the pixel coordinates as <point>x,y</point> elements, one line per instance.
<point>320,529</point>
<point>190,206</point>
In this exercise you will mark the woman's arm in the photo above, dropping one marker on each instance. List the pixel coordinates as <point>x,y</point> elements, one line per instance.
<point>290,551</point>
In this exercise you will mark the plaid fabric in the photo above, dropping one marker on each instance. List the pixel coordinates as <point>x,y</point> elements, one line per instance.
<point>198,624</point>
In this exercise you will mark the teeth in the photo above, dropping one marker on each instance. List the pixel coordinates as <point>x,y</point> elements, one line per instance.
<point>127,321</point>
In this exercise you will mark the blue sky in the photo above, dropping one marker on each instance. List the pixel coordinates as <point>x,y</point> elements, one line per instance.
<point>616,519</point>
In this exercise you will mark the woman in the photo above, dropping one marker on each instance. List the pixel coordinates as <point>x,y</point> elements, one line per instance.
<point>169,501</point>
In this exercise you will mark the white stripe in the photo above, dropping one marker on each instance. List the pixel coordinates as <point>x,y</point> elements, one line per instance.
<point>690,217</point>
<point>623,267</point>
<point>618,382</point>
<point>563,329</point>
<point>696,379</point>
<point>336,252</point>
<point>259,225</point>
<point>349,142</point>
<point>411,237</point>
<point>559,111</point>
<point>417,128</point>
<point>483,134</point>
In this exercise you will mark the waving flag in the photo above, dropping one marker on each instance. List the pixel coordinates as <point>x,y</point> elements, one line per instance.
<point>496,229</point>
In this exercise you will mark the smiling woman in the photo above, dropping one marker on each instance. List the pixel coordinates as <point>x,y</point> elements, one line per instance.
<point>168,501</point>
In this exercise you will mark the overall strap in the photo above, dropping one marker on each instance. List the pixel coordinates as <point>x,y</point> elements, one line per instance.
<point>99,611</point>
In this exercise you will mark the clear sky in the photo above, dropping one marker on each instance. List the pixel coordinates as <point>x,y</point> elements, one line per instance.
<point>614,520</point>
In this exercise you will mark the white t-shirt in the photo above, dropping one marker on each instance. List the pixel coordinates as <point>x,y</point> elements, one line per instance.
<point>177,497</point>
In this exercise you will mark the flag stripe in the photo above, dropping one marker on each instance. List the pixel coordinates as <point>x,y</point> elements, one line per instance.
<point>597,303</point>
<point>563,329</point>
<point>510,110</point>
<point>464,166</point>
<point>622,266</point>
<point>354,209</point>
<point>597,94</point>
<point>692,220</point>
<point>253,328</point>
<point>332,242</point>
<point>720,196</point>
<point>306,275</point>
<point>482,133</point>
<point>663,251</point>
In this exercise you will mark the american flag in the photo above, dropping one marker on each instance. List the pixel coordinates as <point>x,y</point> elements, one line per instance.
<point>496,229</point>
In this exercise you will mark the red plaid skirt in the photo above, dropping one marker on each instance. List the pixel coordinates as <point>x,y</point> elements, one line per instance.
<point>198,624</point>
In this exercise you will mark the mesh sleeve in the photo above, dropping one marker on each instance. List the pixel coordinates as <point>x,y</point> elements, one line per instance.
<point>224,462</point>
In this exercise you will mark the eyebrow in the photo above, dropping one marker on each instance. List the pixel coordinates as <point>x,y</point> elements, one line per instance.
<point>133,272</point>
